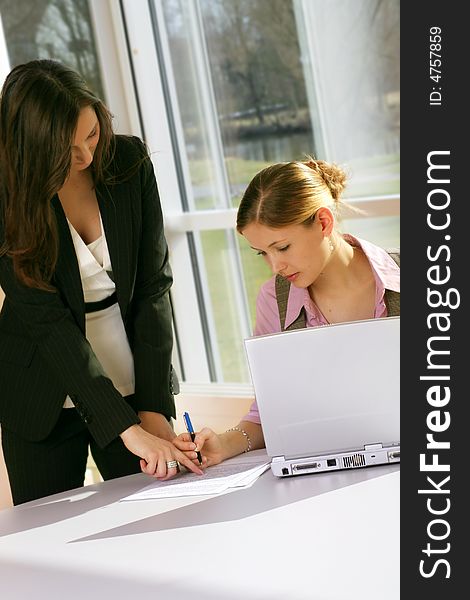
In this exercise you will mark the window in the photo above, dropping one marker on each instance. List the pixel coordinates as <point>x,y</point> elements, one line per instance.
<point>58,29</point>
<point>241,84</point>
<point>219,89</point>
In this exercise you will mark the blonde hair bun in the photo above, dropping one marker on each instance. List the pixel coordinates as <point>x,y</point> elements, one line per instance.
<point>332,174</point>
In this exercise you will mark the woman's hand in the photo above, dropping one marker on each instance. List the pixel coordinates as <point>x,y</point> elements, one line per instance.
<point>206,441</point>
<point>155,453</point>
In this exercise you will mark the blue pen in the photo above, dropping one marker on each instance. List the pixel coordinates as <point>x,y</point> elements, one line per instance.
<point>189,427</point>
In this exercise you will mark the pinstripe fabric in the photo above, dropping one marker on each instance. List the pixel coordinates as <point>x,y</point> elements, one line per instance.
<point>44,354</point>
<point>60,461</point>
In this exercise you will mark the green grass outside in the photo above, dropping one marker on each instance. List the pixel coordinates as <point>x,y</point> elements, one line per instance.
<point>238,169</point>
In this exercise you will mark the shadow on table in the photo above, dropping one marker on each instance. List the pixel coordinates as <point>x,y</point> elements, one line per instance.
<point>263,496</point>
<point>59,507</point>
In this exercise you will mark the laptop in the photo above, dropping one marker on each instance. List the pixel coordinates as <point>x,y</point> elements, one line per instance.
<point>329,397</point>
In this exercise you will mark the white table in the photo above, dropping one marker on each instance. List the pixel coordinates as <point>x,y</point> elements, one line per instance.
<point>323,536</point>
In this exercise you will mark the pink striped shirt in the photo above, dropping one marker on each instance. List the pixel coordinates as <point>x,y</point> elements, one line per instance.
<point>387,276</point>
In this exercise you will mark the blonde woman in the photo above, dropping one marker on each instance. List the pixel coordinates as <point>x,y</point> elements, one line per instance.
<point>288,215</point>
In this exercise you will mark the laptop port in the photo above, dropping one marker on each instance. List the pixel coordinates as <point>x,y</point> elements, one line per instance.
<point>285,471</point>
<point>306,466</point>
<point>331,462</point>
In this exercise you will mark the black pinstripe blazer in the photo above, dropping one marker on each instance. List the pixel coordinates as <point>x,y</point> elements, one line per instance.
<point>44,354</point>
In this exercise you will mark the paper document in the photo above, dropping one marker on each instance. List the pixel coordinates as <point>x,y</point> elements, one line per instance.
<point>215,480</point>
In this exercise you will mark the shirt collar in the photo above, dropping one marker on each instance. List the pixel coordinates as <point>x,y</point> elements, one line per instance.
<point>385,268</point>
<point>386,273</point>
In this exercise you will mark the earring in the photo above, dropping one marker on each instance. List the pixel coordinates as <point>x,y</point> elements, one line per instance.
<point>331,244</point>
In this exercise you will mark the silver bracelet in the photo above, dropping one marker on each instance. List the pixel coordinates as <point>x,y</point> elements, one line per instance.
<point>242,431</point>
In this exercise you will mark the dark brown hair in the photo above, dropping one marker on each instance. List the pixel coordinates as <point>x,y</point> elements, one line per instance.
<point>39,108</point>
<point>290,193</point>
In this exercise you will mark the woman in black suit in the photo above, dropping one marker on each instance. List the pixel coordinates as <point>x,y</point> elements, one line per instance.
<point>85,328</point>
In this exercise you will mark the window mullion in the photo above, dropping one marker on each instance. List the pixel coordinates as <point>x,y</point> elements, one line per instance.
<point>312,77</point>
<point>4,60</point>
<point>160,138</point>
<point>201,286</point>
<point>222,186</point>
<point>116,75</point>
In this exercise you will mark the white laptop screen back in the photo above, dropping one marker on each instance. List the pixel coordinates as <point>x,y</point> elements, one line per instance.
<point>328,389</point>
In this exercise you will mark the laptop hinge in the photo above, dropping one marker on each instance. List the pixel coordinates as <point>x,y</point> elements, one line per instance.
<point>373,446</point>
<point>278,459</point>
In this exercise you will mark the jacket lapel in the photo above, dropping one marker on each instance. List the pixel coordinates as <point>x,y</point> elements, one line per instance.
<point>67,273</point>
<point>118,224</point>
<point>117,227</point>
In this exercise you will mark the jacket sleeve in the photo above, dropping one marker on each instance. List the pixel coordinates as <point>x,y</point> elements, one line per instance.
<point>152,332</point>
<point>65,350</point>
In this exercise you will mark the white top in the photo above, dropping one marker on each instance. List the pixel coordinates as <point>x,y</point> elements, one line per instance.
<point>104,328</point>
